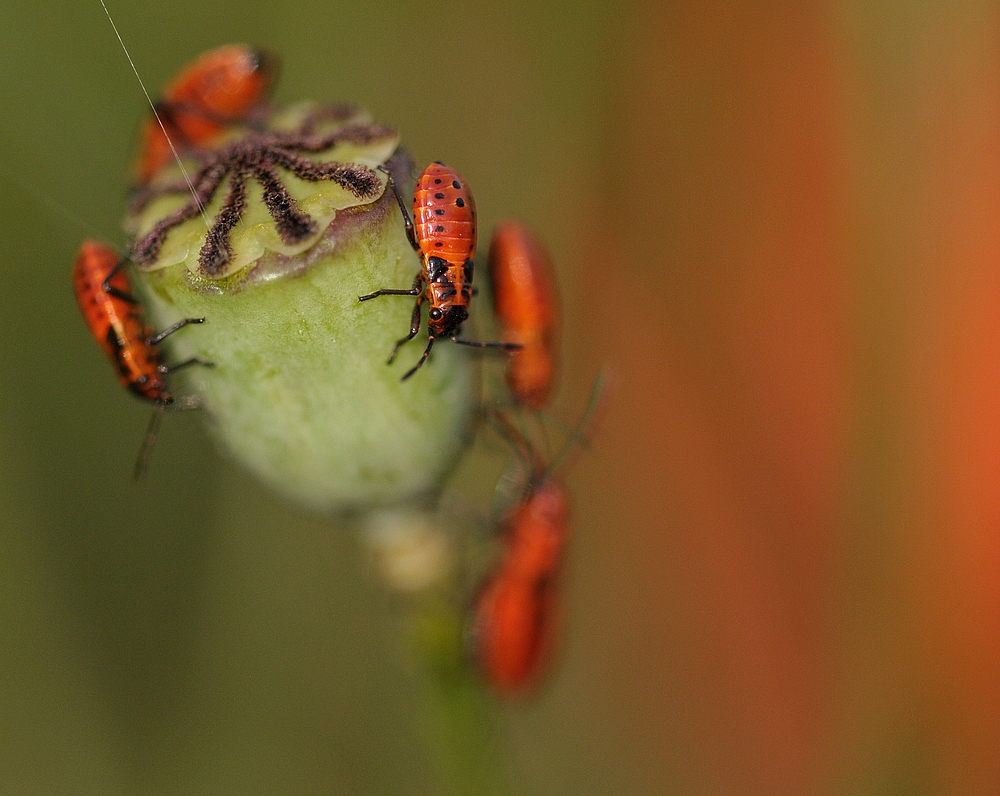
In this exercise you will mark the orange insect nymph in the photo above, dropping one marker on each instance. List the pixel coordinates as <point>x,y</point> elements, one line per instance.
<point>514,617</point>
<point>216,91</point>
<point>515,613</point>
<point>444,220</point>
<point>443,233</point>
<point>525,301</point>
<point>115,320</point>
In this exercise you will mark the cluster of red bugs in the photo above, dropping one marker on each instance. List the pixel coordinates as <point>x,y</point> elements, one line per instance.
<point>513,616</point>
<point>208,98</point>
<point>512,620</point>
<point>216,91</point>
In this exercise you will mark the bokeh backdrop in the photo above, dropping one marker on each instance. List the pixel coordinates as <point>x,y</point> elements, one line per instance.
<point>778,223</point>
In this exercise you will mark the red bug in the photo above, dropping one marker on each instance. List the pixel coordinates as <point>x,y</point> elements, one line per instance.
<point>515,610</point>
<point>216,91</point>
<point>115,320</point>
<point>443,233</point>
<point>515,613</point>
<point>525,301</point>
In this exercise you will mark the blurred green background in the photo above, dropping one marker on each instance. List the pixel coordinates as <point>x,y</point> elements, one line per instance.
<point>777,222</point>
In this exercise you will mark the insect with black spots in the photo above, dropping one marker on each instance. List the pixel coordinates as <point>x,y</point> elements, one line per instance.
<point>114,318</point>
<point>443,233</point>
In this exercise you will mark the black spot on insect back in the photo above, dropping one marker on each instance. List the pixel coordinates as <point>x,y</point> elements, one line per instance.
<point>439,228</point>
<point>439,211</point>
<point>456,184</point>
<point>460,202</point>
<point>439,195</point>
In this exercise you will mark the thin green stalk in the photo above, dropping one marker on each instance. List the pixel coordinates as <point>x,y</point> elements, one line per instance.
<point>459,716</point>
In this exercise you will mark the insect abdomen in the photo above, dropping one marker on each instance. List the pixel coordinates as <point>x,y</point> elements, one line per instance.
<point>444,215</point>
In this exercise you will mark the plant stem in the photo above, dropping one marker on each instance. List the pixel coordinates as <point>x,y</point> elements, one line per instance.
<point>459,716</point>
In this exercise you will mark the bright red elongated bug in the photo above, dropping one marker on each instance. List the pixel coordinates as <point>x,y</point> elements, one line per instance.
<point>115,320</point>
<point>525,301</point>
<point>515,614</point>
<point>443,233</point>
<point>515,611</point>
<point>219,89</point>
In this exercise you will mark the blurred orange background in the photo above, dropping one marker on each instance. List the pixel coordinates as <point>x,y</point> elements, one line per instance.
<point>776,223</point>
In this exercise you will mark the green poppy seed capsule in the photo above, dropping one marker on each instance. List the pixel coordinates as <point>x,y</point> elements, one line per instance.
<point>298,225</point>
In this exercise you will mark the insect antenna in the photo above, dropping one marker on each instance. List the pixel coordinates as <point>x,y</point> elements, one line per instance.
<point>517,436</point>
<point>148,443</point>
<point>514,437</point>
<point>580,435</point>
<point>152,105</point>
<point>516,480</point>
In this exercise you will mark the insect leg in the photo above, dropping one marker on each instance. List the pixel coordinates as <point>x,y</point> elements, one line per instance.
<point>414,328</point>
<point>111,290</point>
<point>159,338</point>
<point>479,344</point>
<point>423,358</point>
<point>184,364</point>
<point>416,290</point>
<point>410,233</point>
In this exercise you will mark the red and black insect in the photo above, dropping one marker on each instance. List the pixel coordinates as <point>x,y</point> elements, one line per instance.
<point>114,318</point>
<point>525,301</point>
<point>515,613</point>
<point>443,233</point>
<point>219,89</point>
